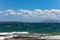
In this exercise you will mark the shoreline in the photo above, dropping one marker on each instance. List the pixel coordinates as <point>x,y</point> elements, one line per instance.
<point>13,35</point>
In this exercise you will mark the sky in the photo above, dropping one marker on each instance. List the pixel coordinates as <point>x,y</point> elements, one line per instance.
<point>29,10</point>
<point>29,4</point>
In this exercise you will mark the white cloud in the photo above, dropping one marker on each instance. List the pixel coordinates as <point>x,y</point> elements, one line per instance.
<point>37,13</point>
<point>10,12</point>
<point>55,10</point>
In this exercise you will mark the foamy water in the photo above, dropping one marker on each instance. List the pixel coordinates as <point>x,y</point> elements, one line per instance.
<point>5,35</point>
<point>10,35</point>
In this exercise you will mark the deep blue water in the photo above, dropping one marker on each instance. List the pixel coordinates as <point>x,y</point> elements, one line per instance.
<point>30,27</point>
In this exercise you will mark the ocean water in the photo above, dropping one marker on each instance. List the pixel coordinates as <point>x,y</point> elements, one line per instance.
<point>30,27</point>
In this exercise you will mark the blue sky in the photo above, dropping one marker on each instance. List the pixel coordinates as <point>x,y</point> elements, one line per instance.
<point>29,4</point>
<point>19,10</point>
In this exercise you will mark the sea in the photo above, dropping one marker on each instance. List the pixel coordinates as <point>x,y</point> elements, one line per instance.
<point>30,27</point>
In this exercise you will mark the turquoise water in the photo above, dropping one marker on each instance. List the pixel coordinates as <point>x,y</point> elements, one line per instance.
<point>30,27</point>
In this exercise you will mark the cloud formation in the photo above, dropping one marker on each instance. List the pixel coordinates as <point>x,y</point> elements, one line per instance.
<point>34,13</point>
<point>53,14</point>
